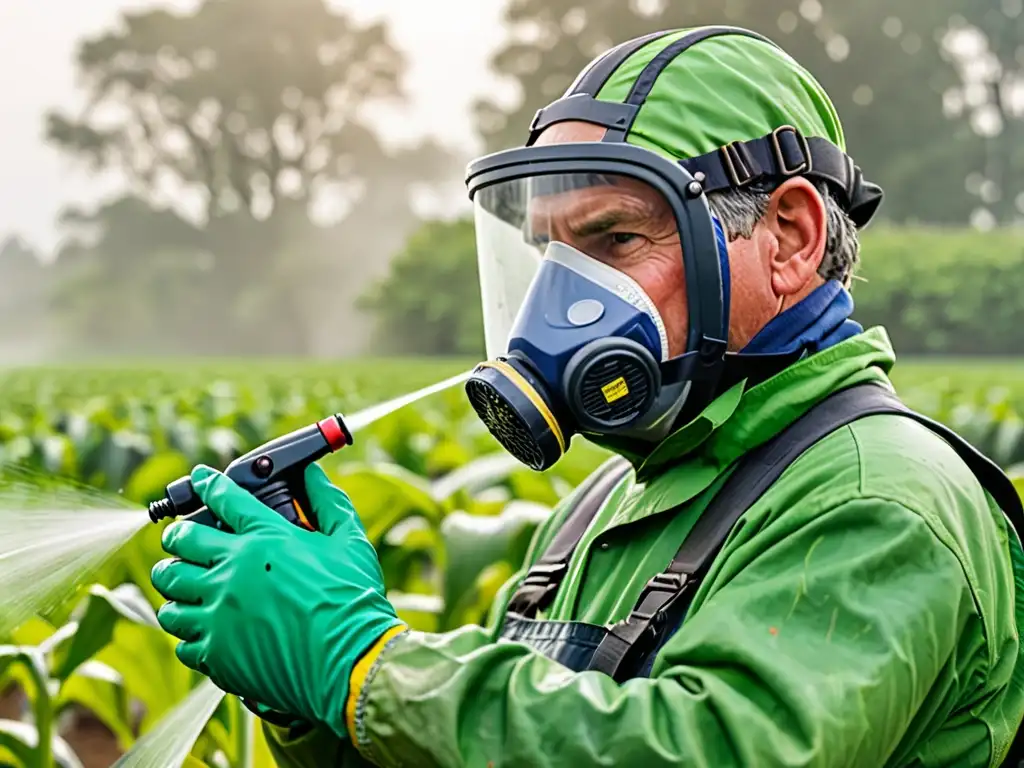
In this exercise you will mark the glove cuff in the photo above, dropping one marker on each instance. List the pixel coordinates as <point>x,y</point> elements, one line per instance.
<point>359,673</point>
<point>276,718</point>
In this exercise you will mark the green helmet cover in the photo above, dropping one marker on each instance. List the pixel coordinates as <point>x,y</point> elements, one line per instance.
<point>724,89</point>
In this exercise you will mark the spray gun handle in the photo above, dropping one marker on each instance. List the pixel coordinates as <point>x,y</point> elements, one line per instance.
<point>287,498</point>
<point>274,473</point>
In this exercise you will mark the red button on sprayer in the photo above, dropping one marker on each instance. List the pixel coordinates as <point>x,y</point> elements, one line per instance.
<point>333,433</point>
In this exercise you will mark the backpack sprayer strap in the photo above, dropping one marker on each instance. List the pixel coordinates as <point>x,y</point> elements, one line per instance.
<point>538,589</point>
<point>664,600</point>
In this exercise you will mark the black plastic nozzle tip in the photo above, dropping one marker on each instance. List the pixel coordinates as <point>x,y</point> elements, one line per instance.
<point>161,509</point>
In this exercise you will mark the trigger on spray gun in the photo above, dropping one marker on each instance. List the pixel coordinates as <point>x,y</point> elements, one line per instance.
<point>273,473</point>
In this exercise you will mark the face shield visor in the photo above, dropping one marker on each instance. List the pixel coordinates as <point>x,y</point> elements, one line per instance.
<point>585,252</point>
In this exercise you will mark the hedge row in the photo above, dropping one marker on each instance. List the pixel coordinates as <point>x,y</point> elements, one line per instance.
<point>952,291</point>
<point>937,291</point>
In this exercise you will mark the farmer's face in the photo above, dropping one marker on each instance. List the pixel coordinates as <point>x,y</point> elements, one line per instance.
<point>631,227</point>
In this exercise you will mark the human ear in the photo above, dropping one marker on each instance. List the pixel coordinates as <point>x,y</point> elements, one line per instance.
<point>796,217</point>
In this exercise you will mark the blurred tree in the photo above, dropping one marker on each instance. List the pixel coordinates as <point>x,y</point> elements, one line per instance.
<point>985,44</point>
<point>250,115</point>
<point>25,282</point>
<point>882,61</point>
<point>429,304</point>
<point>127,273</point>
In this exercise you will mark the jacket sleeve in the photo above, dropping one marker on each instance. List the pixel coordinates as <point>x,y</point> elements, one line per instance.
<point>817,648</point>
<point>320,748</point>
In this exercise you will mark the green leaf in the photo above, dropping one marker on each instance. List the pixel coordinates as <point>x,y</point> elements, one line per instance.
<point>262,757</point>
<point>148,482</point>
<point>421,612</point>
<point>31,658</point>
<point>17,742</point>
<point>151,672</point>
<point>473,543</point>
<point>475,476</point>
<point>384,495</point>
<point>217,735</point>
<point>100,689</point>
<point>35,631</point>
<point>475,603</point>
<point>1016,475</point>
<point>17,737</point>
<point>95,619</point>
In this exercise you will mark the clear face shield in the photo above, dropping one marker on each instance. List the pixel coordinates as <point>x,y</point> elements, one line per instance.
<point>576,343</point>
<point>601,226</point>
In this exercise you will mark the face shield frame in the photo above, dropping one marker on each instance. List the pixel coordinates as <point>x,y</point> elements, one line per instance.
<point>707,338</point>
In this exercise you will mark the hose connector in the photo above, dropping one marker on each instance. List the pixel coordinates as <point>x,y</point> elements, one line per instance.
<point>180,499</point>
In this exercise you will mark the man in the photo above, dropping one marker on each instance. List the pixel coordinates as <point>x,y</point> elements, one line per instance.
<point>683,305</point>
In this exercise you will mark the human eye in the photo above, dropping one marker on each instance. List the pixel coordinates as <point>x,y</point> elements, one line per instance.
<point>620,246</point>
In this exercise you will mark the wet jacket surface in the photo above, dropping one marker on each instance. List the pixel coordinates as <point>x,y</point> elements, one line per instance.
<point>862,613</point>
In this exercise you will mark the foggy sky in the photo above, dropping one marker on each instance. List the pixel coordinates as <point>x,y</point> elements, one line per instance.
<point>447,55</point>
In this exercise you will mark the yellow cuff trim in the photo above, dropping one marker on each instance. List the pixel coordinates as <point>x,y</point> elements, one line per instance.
<point>359,673</point>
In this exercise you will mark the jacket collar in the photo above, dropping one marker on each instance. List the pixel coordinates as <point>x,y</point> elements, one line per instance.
<point>740,419</point>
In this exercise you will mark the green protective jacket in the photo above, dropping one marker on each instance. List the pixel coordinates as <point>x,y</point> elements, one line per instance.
<point>862,613</point>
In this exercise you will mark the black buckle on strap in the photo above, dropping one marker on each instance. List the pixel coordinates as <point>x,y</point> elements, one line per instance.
<point>805,166</point>
<point>657,594</point>
<point>541,582</point>
<point>740,165</point>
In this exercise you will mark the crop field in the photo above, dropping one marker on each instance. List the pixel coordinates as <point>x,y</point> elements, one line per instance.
<point>450,513</point>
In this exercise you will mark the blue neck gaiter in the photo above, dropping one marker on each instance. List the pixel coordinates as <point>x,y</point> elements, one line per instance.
<point>816,323</point>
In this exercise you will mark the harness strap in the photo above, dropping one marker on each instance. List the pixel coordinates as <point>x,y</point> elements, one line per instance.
<point>538,589</point>
<point>664,599</point>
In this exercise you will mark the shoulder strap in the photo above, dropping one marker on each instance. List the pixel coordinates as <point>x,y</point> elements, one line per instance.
<point>666,596</point>
<point>538,589</point>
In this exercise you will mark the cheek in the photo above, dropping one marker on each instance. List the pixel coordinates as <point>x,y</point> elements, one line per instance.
<point>751,301</point>
<point>664,280</point>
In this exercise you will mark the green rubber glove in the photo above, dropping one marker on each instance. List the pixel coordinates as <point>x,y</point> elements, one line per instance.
<point>274,613</point>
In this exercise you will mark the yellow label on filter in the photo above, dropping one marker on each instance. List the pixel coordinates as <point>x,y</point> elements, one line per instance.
<point>615,390</point>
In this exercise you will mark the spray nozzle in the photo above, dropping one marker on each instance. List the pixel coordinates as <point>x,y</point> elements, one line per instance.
<point>270,472</point>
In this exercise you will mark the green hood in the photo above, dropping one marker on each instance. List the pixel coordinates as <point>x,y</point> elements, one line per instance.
<point>724,89</point>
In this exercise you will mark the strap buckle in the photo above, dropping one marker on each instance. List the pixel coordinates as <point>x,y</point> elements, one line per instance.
<point>805,165</point>
<point>541,582</point>
<point>740,165</point>
<point>657,595</point>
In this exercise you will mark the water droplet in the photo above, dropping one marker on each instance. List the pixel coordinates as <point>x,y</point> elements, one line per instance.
<point>953,102</point>
<point>648,8</point>
<point>983,220</point>
<point>990,192</point>
<point>986,121</point>
<point>911,43</point>
<point>863,95</point>
<point>811,10</point>
<point>838,48</point>
<point>892,27</point>
<point>788,21</point>
<point>574,21</point>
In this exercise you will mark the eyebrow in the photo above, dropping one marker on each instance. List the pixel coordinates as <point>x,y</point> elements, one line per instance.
<point>602,222</point>
<point>589,223</point>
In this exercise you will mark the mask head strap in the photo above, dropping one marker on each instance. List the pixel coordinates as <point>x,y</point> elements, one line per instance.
<point>776,156</point>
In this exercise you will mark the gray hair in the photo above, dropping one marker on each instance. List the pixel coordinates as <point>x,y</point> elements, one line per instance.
<point>739,210</point>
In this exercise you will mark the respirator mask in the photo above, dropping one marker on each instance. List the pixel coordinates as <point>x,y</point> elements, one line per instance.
<point>565,235</point>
